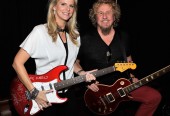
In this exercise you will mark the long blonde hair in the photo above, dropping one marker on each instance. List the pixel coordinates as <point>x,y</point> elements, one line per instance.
<point>71,25</point>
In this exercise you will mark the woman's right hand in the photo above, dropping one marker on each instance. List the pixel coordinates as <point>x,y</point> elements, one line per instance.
<point>41,99</point>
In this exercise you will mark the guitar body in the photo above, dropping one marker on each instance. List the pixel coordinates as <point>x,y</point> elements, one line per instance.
<point>22,101</point>
<point>20,95</point>
<point>107,99</point>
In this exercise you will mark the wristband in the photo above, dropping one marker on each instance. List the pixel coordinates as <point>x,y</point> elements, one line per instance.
<point>34,92</point>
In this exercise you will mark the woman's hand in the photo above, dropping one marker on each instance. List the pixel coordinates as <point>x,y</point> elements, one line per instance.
<point>41,99</point>
<point>89,76</point>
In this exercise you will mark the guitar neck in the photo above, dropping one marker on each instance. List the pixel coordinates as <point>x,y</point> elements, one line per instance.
<point>147,79</point>
<point>82,78</point>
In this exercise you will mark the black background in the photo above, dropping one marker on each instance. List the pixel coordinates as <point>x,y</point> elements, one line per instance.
<point>147,22</point>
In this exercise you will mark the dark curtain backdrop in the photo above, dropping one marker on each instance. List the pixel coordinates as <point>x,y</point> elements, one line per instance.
<point>147,22</point>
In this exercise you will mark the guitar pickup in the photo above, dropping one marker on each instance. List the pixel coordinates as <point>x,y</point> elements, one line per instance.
<point>110,97</point>
<point>42,87</point>
<point>121,92</point>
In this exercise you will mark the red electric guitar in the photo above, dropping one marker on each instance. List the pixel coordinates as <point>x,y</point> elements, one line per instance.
<point>107,99</point>
<point>51,80</point>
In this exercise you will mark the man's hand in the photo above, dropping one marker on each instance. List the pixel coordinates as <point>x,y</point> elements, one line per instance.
<point>93,86</point>
<point>134,80</point>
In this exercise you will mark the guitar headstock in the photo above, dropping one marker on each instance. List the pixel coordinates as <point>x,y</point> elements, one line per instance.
<point>124,66</point>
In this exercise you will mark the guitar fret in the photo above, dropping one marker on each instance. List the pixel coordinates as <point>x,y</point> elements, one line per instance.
<point>81,78</point>
<point>152,77</point>
<point>147,79</point>
<point>97,73</point>
<point>131,88</point>
<point>69,82</point>
<point>103,71</point>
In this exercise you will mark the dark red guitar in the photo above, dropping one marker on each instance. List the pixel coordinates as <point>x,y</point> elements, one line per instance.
<point>107,99</point>
<point>51,80</point>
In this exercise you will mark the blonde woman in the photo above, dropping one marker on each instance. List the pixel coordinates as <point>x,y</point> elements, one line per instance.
<point>52,44</point>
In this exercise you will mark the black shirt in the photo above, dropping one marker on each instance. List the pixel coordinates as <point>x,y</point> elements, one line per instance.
<point>94,53</point>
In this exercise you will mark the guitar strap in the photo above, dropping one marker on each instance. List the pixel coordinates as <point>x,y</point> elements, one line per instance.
<point>123,52</point>
<point>65,63</point>
<point>122,46</point>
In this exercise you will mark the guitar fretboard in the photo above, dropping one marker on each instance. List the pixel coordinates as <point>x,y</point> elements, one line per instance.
<point>82,78</point>
<point>147,79</point>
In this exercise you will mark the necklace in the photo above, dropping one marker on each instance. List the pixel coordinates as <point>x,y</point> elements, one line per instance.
<point>61,30</point>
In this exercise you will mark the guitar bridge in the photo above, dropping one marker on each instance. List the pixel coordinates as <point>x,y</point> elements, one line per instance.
<point>121,92</point>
